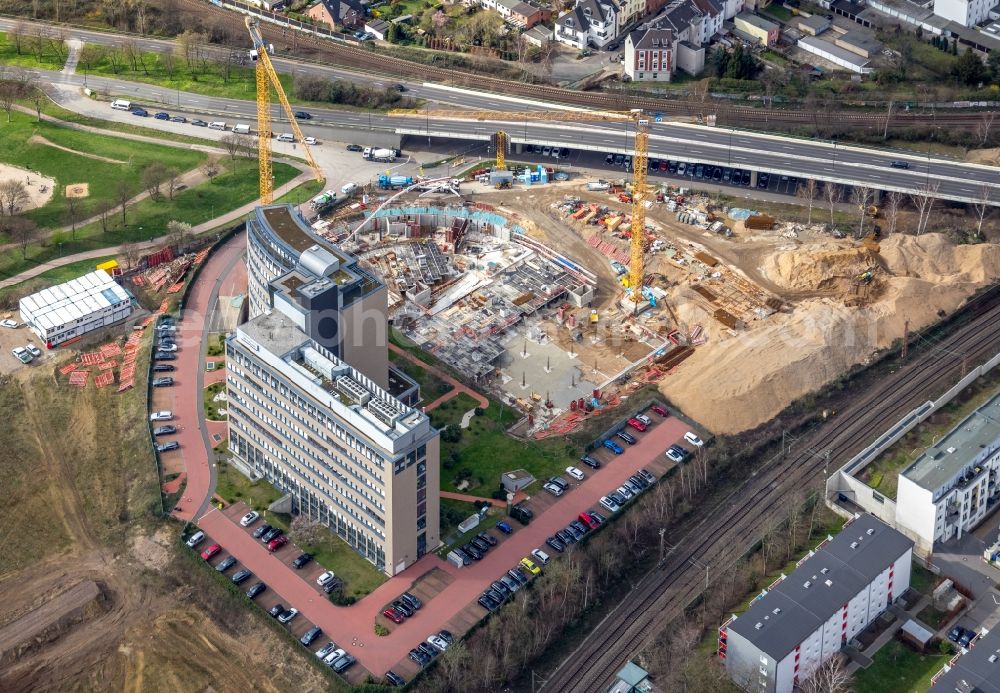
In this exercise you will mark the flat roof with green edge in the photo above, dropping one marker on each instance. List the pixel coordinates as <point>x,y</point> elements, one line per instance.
<point>972,437</point>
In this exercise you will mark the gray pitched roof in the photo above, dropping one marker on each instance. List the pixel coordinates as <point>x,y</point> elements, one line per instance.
<point>645,38</point>
<point>678,15</point>
<point>818,588</point>
<point>974,671</point>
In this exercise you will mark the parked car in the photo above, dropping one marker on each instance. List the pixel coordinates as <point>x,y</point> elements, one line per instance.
<point>403,608</point>
<point>33,350</point>
<point>446,636</point>
<point>627,437</point>
<point>164,430</point>
<point>301,560</point>
<point>163,382</point>
<point>438,642</point>
<point>195,539</point>
<point>326,649</point>
<point>277,543</point>
<point>609,504</point>
<point>261,531</point>
<point>555,544</point>
<point>693,439</point>
<point>309,637</point>
<point>553,489</point>
<point>325,578</point>
<point>648,476</point>
<point>164,356</point>
<point>590,522</point>
<point>476,554</point>
<point>636,424</point>
<point>162,116</point>
<point>199,123</point>
<point>488,538</point>
<point>590,462</point>
<point>256,589</point>
<point>141,112</point>
<point>393,615</point>
<point>178,119</point>
<point>956,633</point>
<point>613,446</point>
<point>249,518</point>
<point>540,556</point>
<point>411,600</point>
<point>241,576</point>
<point>967,637</point>
<point>576,473</point>
<point>342,663</point>
<point>645,420</point>
<point>395,679</point>
<point>164,368</point>
<point>287,616</point>
<point>530,566</point>
<point>277,610</point>
<point>226,563</point>
<point>334,656</point>
<point>504,527</point>
<point>211,551</point>
<point>672,454</point>
<point>661,410</point>
<point>168,446</point>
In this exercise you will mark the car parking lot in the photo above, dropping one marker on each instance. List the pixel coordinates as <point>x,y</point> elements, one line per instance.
<point>19,339</point>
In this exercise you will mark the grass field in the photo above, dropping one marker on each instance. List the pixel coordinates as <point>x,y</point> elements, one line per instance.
<point>899,669</point>
<point>18,149</point>
<point>211,407</point>
<point>360,577</point>
<point>431,386</point>
<point>56,275</point>
<point>45,53</point>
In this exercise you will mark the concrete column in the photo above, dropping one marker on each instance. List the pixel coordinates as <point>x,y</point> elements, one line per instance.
<point>517,147</point>
<point>877,198</point>
<point>753,179</point>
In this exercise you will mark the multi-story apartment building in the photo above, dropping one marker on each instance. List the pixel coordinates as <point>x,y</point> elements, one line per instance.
<point>968,13</point>
<point>807,617</point>
<point>974,671</point>
<point>649,54</point>
<point>307,418</point>
<point>590,22</point>
<point>953,485</point>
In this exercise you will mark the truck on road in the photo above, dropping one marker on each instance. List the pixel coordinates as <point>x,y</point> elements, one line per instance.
<point>394,182</point>
<point>379,154</point>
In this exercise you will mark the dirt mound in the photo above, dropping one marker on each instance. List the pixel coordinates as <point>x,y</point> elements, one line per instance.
<point>737,382</point>
<point>935,258</point>
<point>824,267</point>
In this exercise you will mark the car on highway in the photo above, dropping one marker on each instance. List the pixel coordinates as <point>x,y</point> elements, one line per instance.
<point>310,141</point>
<point>162,115</point>
<point>301,560</point>
<point>393,615</point>
<point>141,112</point>
<point>241,576</point>
<point>164,430</point>
<point>287,616</point>
<point>225,564</point>
<point>401,88</point>
<point>256,589</point>
<point>277,543</point>
<point>161,416</point>
<point>355,148</point>
<point>899,164</point>
<point>530,566</point>
<point>613,446</point>
<point>249,518</point>
<point>211,551</point>
<point>163,382</point>
<point>635,424</point>
<point>693,439</point>
<point>303,115</point>
<point>164,368</point>
<point>197,122</point>
<point>310,636</point>
<point>167,447</point>
<point>576,473</point>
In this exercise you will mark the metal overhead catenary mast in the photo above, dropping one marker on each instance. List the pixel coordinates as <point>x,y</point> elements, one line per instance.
<point>639,162</point>
<point>267,77</point>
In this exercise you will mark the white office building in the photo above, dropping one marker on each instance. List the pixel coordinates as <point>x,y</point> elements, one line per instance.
<point>968,13</point>
<point>68,311</point>
<point>808,616</point>
<point>953,486</point>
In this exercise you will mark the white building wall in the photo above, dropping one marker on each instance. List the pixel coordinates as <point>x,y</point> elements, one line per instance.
<point>915,513</point>
<point>968,13</point>
<point>733,8</point>
<point>784,675</point>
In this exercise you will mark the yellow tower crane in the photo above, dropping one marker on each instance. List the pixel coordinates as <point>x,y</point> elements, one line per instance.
<point>267,77</point>
<point>639,162</point>
<point>501,141</point>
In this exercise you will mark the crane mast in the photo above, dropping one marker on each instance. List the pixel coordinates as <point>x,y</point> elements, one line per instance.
<point>266,77</point>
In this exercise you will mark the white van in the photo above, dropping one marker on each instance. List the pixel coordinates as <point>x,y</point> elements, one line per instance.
<point>286,137</point>
<point>348,188</point>
<point>196,539</point>
<point>121,105</point>
<point>241,129</point>
<point>217,125</point>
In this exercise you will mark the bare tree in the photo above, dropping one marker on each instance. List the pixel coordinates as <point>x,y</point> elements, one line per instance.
<point>90,55</point>
<point>10,92</point>
<point>130,253</point>
<point>834,193</point>
<point>893,200</point>
<point>861,195</point>
<point>37,98</point>
<point>116,59</point>
<point>133,53</point>
<point>210,168</point>
<point>807,192</point>
<point>888,117</point>
<point>13,194</point>
<point>830,677</point>
<point>103,209</point>
<point>172,178</point>
<point>123,193</point>
<point>178,234</point>
<point>74,210</point>
<point>23,231</point>
<point>924,201</point>
<point>16,36</point>
<point>982,206</point>
<point>153,176</point>
<point>35,43</point>
<point>58,45</point>
<point>984,128</point>
<point>232,144</point>
<point>169,63</point>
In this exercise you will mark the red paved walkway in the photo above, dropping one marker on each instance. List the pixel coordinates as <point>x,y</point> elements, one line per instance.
<point>472,499</point>
<point>457,386</point>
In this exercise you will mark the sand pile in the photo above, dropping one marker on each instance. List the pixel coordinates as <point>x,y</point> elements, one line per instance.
<point>826,266</point>
<point>737,382</point>
<point>39,188</point>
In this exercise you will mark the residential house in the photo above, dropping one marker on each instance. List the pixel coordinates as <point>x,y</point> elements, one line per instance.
<point>713,13</point>
<point>377,28</point>
<point>539,36</point>
<point>803,619</point>
<point>517,12</point>
<point>590,22</point>
<point>755,27</point>
<point>694,21</point>
<point>349,14</point>
<point>649,54</point>
<point>629,12</point>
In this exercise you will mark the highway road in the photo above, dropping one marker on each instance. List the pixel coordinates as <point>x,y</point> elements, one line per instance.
<point>732,147</point>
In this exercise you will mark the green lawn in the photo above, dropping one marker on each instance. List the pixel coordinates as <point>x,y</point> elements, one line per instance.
<point>44,53</point>
<point>431,386</point>
<point>212,408</point>
<point>452,411</point>
<point>233,487</point>
<point>66,168</point>
<point>922,580</point>
<point>452,513</point>
<point>899,669</point>
<point>777,12</point>
<point>149,218</point>
<point>932,617</point>
<point>302,192</point>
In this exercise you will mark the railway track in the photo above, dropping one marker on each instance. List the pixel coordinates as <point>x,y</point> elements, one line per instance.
<point>737,522</point>
<point>354,56</point>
